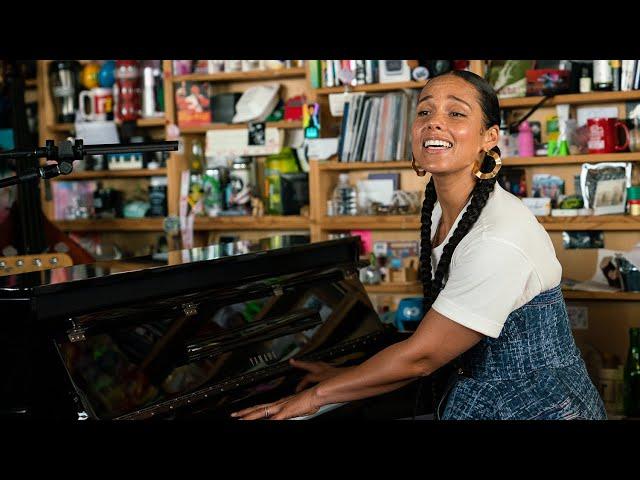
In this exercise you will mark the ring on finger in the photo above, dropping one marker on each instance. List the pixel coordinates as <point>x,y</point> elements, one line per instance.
<point>266,412</point>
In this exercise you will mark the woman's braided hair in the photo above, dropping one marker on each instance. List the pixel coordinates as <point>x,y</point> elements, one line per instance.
<point>432,284</point>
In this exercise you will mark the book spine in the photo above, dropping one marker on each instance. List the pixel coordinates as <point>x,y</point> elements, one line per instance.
<point>315,72</point>
<point>368,71</point>
<point>360,72</point>
<point>330,74</point>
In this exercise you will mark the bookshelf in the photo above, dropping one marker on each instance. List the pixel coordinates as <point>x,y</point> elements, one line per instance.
<point>293,81</point>
<point>49,129</point>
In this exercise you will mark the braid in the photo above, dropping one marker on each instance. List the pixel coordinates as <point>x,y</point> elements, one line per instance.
<point>430,198</point>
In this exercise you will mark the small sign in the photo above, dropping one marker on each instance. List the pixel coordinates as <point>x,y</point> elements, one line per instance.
<point>578,317</point>
<point>257,133</point>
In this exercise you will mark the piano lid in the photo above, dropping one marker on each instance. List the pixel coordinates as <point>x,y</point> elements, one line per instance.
<point>87,288</point>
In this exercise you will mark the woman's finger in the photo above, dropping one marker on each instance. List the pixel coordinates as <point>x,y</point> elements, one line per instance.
<point>264,413</point>
<point>313,367</point>
<point>306,380</point>
<point>246,411</point>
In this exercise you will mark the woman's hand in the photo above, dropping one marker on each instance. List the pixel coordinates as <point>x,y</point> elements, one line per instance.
<point>318,372</point>
<point>298,405</point>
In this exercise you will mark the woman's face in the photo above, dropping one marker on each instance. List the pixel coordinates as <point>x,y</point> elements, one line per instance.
<point>448,132</point>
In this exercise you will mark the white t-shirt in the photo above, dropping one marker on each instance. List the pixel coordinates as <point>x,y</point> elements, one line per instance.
<point>505,260</point>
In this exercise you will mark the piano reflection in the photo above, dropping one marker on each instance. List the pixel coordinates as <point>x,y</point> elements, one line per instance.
<point>191,334</point>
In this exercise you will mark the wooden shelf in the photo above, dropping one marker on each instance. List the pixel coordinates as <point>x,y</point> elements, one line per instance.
<point>31,83</point>
<point>573,98</point>
<point>571,159</point>
<point>335,165</point>
<point>412,222</point>
<point>596,222</point>
<point>372,87</point>
<point>416,288</point>
<point>411,287</point>
<point>583,295</point>
<point>112,225</point>
<point>100,174</point>
<point>141,122</point>
<point>236,126</point>
<point>371,222</point>
<point>507,161</point>
<point>242,76</point>
<point>267,222</point>
<point>61,127</point>
<point>150,122</point>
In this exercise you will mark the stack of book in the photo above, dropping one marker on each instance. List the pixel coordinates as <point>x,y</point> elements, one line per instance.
<point>377,127</point>
<point>333,73</point>
<point>630,76</point>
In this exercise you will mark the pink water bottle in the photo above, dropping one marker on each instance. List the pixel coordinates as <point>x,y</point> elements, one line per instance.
<point>525,140</point>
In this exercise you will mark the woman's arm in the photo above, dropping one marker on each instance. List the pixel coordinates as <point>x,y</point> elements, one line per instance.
<point>436,341</point>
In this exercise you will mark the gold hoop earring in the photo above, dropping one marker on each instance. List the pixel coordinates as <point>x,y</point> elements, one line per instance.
<point>419,171</point>
<point>485,176</point>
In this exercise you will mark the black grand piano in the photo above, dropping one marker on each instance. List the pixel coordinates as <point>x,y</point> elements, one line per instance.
<point>191,334</point>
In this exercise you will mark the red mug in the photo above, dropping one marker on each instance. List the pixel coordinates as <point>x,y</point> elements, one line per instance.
<point>603,137</point>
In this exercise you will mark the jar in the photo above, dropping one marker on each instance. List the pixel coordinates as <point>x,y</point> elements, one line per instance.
<point>633,200</point>
<point>238,190</point>
<point>158,197</point>
<point>610,384</point>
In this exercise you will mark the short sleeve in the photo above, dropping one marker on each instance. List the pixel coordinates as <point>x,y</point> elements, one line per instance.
<point>487,281</point>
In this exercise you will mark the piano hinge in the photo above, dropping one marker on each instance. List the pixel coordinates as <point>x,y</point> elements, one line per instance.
<point>76,334</point>
<point>189,309</point>
<point>349,273</point>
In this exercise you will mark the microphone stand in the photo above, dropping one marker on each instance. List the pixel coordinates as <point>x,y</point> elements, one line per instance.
<point>66,152</point>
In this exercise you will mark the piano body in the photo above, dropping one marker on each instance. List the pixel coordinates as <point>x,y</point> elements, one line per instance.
<point>197,334</point>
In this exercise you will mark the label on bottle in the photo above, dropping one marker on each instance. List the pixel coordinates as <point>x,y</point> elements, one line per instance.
<point>585,84</point>
<point>602,74</point>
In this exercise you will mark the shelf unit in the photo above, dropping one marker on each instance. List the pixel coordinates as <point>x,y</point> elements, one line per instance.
<point>293,81</point>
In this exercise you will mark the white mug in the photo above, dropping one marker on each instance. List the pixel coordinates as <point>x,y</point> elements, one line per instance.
<point>100,104</point>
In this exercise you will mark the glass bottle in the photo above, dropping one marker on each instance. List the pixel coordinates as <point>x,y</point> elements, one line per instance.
<point>197,157</point>
<point>632,375</point>
<point>602,75</point>
<point>345,197</point>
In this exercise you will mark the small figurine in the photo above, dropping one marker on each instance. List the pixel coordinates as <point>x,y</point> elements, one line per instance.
<point>257,207</point>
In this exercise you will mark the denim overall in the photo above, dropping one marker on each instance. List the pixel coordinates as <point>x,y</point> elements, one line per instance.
<point>533,370</point>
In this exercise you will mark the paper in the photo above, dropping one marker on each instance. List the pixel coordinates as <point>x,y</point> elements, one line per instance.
<point>322,148</point>
<point>376,191</point>
<point>337,101</point>
<point>235,143</point>
<point>96,133</point>
<point>584,113</point>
